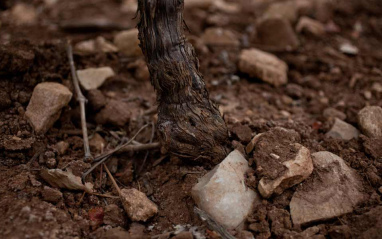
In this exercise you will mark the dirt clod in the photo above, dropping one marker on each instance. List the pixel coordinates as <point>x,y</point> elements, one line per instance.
<point>51,195</point>
<point>114,216</point>
<point>115,112</point>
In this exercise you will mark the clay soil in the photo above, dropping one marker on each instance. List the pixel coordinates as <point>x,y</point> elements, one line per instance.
<point>320,76</point>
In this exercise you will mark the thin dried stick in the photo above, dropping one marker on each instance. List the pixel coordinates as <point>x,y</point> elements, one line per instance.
<point>81,99</point>
<point>100,176</point>
<point>101,159</point>
<point>158,161</point>
<point>213,224</point>
<point>104,195</point>
<point>113,180</point>
<point>120,146</point>
<point>139,147</point>
<point>82,198</point>
<point>147,152</point>
<point>35,156</point>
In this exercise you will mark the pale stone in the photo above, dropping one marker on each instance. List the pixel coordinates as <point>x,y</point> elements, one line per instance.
<point>376,87</point>
<point>342,130</point>
<point>128,43</point>
<point>220,37</point>
<point>306,24</point>
<point>222,192</point>
<point>85,46</point>
<point>137,206</point>
<point>297,170</point>
<point>252,143</point>
<point>99,44</point>
<point>92,78</point>
<point>103,45</point>
<point>331,113</point>
<point>129,6</point>
<point>62,147</point>
<point>349,49</point>
<point>287,10</point>
<point>335,189</point>
<point>97,143</point>
<point>45,106</point>
<point>370,121</point>
<point>24,14</point>
<point>50,3</point>
<point>263,65</point>
<point>227,7</point>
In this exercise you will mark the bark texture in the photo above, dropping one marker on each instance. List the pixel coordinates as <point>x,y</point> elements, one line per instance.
<point>189,123</point>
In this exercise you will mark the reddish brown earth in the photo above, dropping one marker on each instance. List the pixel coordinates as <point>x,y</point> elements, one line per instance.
<point>320,76</point>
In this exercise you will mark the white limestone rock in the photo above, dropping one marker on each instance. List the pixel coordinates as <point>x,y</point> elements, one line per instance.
<point>222,192</point>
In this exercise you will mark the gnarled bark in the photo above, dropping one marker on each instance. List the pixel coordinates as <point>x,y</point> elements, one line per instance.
<point>189,123</point>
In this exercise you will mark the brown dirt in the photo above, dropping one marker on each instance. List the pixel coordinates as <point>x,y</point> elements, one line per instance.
<point>319,77</point>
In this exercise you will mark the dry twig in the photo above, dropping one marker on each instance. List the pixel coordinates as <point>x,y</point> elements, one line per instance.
<point>139,147</point>
<point>101,159</point>
<point>147,152</point>
<point>81,99</point>
<point>105,195</point>
<point>112,180</point>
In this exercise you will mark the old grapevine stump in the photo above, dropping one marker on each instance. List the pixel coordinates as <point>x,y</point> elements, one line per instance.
<point>189,123</point>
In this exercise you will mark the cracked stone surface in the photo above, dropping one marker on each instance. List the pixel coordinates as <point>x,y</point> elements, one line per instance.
<point>333,190</point>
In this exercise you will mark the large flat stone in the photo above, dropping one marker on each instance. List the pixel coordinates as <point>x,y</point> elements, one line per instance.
<point>222,192</point>
<point>45,106</point>
<point>333,190</point>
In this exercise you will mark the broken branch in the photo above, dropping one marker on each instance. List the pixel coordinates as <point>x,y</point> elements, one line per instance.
<point>112,180</point>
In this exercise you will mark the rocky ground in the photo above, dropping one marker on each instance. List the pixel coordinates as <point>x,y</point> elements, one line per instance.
<point>299,83</point>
